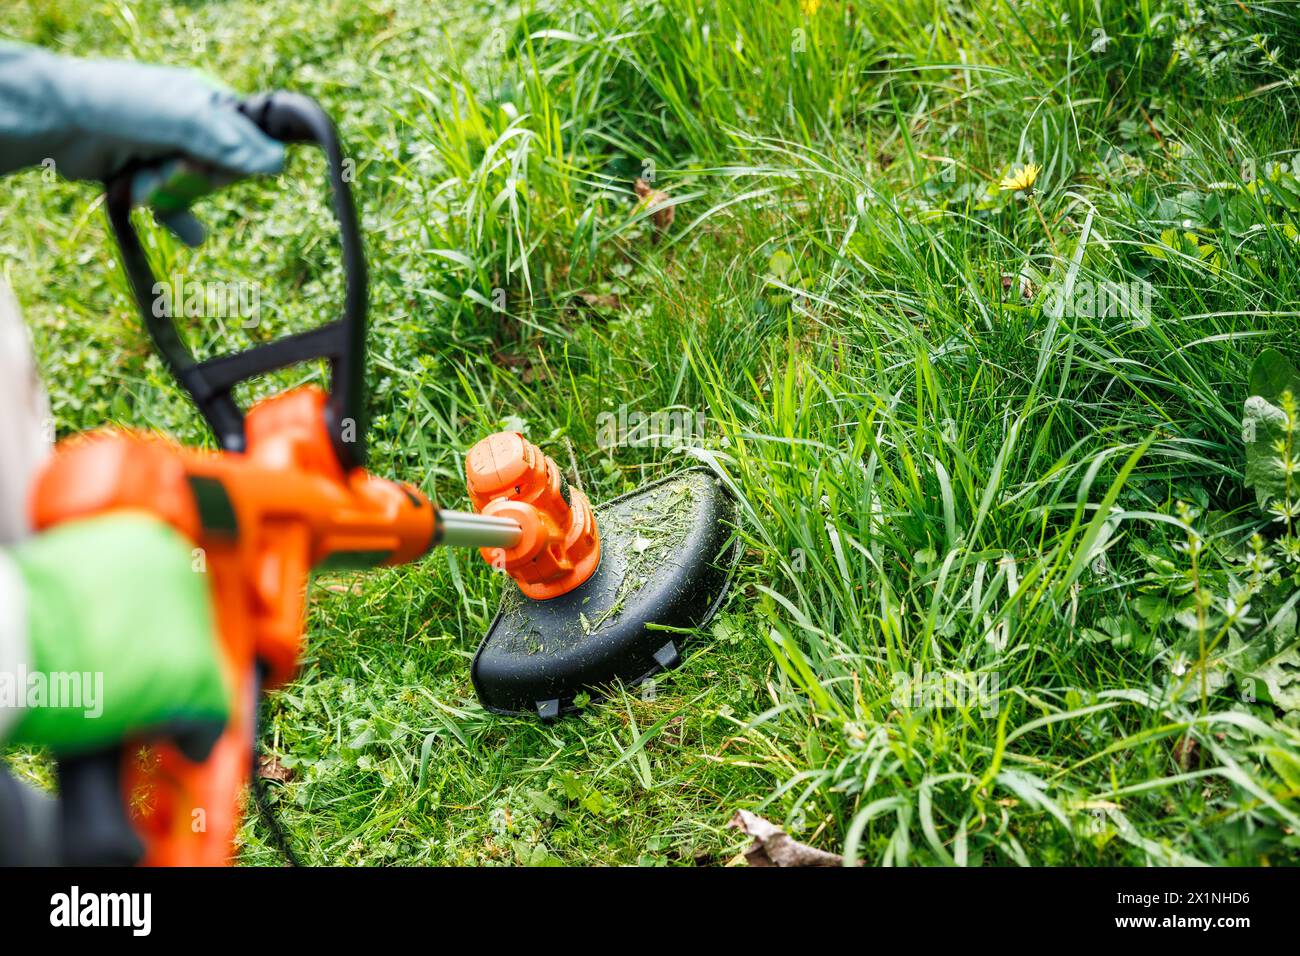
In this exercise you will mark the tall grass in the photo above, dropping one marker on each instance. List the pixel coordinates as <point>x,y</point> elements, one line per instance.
<point>938,476</point>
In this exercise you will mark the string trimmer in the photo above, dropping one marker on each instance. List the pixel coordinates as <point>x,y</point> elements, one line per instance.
<point>598,599</point>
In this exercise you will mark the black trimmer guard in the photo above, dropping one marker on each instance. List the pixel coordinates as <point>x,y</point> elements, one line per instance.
<point>668,554</point>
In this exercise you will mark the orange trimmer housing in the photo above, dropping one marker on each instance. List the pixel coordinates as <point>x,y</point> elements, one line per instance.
<point>559,546</point>
<point>260,521</point>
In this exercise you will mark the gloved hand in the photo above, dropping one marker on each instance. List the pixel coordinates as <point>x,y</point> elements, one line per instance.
<point>115,598</point>
<point>94,118</point>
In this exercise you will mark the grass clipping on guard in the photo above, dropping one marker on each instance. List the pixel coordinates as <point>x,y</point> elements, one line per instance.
<point>642,537</point>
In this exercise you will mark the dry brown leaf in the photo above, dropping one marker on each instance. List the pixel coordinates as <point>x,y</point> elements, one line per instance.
<point>772,846</point>
<point>269,768</point>
<point>1187,753</point>
<point>340,587</point>
<point>1027,289</point>
<point>594,301</point>
<point>654,200</point>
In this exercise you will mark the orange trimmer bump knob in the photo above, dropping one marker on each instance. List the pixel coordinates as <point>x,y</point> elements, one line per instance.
<point>559,548</point>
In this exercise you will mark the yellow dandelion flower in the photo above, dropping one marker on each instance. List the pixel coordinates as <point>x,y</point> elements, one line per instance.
<point>809,7</point>
<point>1021,179</point>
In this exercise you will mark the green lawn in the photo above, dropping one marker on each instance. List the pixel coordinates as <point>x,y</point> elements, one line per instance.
<point>977,432</point>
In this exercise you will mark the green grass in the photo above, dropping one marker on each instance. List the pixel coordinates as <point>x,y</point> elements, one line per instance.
<point>935,472</point>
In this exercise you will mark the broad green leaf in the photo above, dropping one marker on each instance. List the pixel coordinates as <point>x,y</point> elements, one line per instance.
<point>1262,424</point>
<point>1265,675</point>
<point>1272,374</point>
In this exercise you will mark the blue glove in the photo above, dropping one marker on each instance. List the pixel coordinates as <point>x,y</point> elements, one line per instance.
<point>94,117</point>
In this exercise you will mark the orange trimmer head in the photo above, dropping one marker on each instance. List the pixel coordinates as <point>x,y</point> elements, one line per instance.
<point>558,547</point>
<point>599,596</point>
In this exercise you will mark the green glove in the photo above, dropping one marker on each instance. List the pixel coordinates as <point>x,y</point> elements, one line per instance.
<point>113,609</point>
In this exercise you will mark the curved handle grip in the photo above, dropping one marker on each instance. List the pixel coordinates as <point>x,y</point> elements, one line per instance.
<point>94,827</point>
<point>291,118</point>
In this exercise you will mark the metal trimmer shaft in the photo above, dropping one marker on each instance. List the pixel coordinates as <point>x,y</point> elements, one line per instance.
<point>464,529</point>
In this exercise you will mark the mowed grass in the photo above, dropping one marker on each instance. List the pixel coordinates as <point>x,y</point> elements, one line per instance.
<point>941,474</point>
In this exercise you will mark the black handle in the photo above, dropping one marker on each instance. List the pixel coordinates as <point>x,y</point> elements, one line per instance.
<point>288,117</point>
<point>94,827</point>
<point>291,118</point>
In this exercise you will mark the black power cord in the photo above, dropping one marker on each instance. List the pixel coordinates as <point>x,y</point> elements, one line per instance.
<point>279,836</point>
